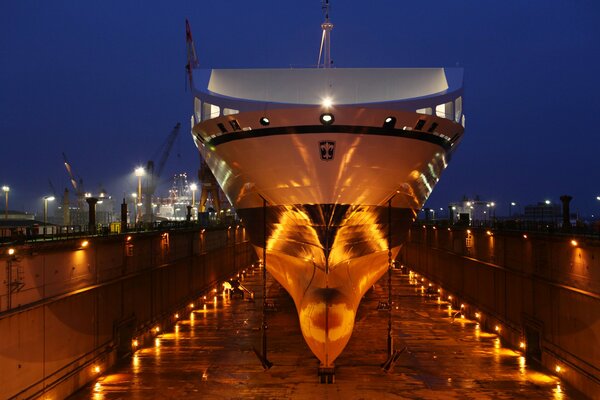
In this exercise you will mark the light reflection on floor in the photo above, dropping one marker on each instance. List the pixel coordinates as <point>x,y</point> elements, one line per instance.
<point>209,355</point>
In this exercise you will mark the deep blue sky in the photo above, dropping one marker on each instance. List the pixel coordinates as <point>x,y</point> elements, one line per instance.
<point>104,82</point>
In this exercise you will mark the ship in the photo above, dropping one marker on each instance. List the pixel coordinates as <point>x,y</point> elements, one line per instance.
<point>327,168</point>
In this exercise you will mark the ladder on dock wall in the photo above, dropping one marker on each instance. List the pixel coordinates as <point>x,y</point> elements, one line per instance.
<point>15,276</point>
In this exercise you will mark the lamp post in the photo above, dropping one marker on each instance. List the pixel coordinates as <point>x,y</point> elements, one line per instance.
<point>139,172</point>
<point>193,188</point>
<point>510,206</point>
<point>5,189</point>
<point>46,200</point>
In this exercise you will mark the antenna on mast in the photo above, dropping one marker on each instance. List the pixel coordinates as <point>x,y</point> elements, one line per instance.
<point>325,38</point>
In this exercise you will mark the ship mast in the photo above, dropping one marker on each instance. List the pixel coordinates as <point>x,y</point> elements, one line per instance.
<point>325,39</point>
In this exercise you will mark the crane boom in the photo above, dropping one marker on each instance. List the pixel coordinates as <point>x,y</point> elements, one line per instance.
<point>77,186</point>
<point>154,175</point>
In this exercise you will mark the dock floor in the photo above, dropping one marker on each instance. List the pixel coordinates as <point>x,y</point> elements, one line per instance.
<point>210,356</point>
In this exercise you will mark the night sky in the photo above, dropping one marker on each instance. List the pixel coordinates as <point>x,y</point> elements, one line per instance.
<point>104,82</point>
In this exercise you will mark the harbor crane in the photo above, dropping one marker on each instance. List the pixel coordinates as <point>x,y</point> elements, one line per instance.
<point>153,175</point>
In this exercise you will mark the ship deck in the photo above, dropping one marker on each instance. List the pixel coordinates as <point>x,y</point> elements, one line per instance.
<point>211,356</point>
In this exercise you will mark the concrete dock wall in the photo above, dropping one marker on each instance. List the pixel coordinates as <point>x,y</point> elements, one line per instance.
<point>539,289</point>
<point>67,311</point>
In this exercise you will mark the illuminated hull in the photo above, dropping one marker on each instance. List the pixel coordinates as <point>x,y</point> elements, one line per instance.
<point>324,199</point>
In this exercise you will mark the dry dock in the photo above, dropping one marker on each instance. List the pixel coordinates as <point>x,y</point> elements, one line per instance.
<point>209,355</point>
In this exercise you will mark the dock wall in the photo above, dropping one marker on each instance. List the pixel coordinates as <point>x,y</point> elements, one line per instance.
<point>69,310</point>
<point>538,289</point>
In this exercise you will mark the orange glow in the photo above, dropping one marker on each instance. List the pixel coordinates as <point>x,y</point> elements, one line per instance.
<point>522,345</point>
<point>449,297</point>
<point>477,315</point>
<point>489,233</point>
<point>468,231</point>
<point>85,243</point>
<point>11,251</point>
<point>574,243</point>
<point>157,342</point>
<point>524,236</point>
<point>157,329</point>
<point>135,343</point>
<point>434,227</point>
<point>462,306</point>
<point>449,230</point>
<point>497,328</point>
<point>128,238</point>
<point>424,227</point>
<point>176,316</point>
<point>558,368</point>
<point>192,305</point>
<point>97,369</point>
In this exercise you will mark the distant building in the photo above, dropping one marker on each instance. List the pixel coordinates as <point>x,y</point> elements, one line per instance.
<point>14,223</point>
<point>547,212</point>
<point>471,211</point>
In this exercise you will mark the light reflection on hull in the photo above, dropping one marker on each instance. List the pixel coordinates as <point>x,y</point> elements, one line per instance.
<point>327,257</point>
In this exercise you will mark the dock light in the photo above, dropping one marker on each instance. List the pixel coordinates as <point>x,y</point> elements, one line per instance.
<point>434,227</point>
<point>547,201</point>
<point>11,251</point>
<point>574,243</point>
<point>204,297</point>
<point>524,236</point>
<point>597,197</point>
<point>424,227</point>
<point>468,231</point>
<point>327,119</point>
<point>84,244</point>
<point>176,316</point>
<point>558,368</point>
<point>477,315</point>
<point>128,238</point>
<point>449,230</point>
<point>497,328</point>
<point>264,121</point>
<point>135,343</point>
<point>439,290</point>
<point>489,233</point>
<point>522,345</point>
<point>449,297</point>
<point>462,306</point>
<point>389,122</point>
<point>191,305</point>
<point>157,329</point>
<point>97,369</point>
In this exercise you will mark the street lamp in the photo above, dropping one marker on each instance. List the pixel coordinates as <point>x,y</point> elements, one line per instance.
<point>193,188</point>
<point>46,200</point>
<point>139,172</point>
<point>512,204</point>
<point>5,189</point>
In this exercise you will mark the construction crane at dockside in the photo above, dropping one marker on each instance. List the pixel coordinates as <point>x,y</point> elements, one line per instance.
<point>153,175</point>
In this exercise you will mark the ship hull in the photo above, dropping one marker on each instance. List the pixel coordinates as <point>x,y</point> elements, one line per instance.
<point>330,204</point>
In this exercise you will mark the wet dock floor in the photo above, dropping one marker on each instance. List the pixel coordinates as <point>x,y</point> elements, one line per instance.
<point>209,355</point>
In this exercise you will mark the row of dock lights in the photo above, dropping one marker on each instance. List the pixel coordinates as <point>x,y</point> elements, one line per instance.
<point>488,232</point>
<point>414,280</point>
<point>156,329</point>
